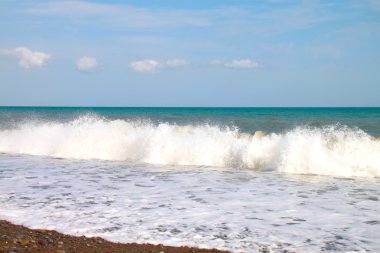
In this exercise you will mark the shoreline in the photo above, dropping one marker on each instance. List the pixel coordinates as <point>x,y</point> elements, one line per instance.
<point>17,238</point>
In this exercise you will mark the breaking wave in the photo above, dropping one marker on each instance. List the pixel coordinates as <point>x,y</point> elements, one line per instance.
<point>332,150</point>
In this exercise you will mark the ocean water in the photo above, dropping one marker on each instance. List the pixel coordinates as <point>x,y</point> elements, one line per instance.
<point>242,179</point>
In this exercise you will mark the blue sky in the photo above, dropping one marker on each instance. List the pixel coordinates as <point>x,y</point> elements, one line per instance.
<point>190,53</point>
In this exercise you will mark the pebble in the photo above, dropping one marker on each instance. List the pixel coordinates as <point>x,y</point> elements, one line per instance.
<point>24,242</point>
<point>6,237</point>
<point>19,236</point>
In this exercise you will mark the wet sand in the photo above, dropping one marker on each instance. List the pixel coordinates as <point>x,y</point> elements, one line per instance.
<point>15,238</point>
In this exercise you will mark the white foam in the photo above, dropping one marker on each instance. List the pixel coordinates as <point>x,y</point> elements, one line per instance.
<point>238,210</point>
<point>341,152</point>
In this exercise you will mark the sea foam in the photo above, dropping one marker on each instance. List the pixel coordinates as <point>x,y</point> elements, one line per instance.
<point>331,150</point>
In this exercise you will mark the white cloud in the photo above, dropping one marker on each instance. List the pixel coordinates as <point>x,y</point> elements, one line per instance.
<point>153,66</point>
<point>27,58</point>
<point>86,63</point>
<point>242,64</point>
<point>149,66</point>
<point>176,62</point>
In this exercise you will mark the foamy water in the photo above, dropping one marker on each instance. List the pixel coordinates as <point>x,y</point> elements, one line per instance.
<point>181,179</point>
<point>335,151</point>
<point>226,208</point>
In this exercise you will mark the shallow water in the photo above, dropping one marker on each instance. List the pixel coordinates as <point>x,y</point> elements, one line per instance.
<point>226,208</point>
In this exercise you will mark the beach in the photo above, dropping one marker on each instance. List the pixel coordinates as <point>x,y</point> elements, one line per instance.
<point>15,238</point>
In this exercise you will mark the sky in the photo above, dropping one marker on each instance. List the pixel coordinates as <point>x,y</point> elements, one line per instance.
<point>226,53</point>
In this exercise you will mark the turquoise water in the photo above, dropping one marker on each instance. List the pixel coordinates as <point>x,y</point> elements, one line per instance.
<point>246,119</point>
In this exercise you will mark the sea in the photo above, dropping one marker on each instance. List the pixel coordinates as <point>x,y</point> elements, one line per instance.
<point>240,179</point>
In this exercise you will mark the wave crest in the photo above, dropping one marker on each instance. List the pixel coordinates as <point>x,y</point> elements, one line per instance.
<point>335,151</point>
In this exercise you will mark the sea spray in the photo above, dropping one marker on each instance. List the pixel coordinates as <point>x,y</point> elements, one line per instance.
<point>331,150</point>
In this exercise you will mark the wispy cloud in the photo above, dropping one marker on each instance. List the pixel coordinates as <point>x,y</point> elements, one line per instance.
<point>127,16</point>
<point>154,66</point>
<point>145,66</point>
<point>260,19</point>
<point>214,30</point>
<point>86,63</point>
<point>71,8</point>
<point>27,58</point>
<point>242,64</point>
<point>236,64</point>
